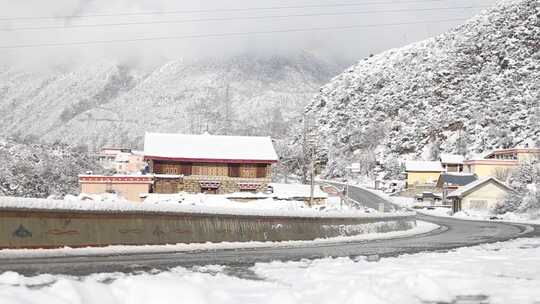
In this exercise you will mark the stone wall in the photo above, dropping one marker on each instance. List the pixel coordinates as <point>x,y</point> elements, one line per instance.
<point>227,184</point>
<point>29,228</point>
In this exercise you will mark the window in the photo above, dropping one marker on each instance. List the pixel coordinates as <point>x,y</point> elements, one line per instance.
<point>186,169</point>
<point>261,170</point>
<point>234,170</point>
<point>478,204</point>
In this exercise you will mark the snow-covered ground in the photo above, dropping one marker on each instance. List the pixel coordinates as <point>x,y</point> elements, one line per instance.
<point>502,273</point>
<point>525,218</point>
<point>420,228</point>
<point>259,204</point>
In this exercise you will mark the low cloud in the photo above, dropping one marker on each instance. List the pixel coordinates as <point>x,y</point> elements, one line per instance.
<point>341,45</point>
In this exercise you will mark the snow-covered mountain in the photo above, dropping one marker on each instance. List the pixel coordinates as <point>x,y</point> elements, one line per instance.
<point>472,89</point>
<point>41,170</point>
<point>103,103</point>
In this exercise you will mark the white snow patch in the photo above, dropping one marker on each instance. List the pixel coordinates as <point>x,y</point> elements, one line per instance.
<point>191,203</point>
<point>499,273</point>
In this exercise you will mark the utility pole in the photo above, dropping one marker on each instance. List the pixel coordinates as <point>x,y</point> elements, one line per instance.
<point>228,122</point>
<point>309,155</point>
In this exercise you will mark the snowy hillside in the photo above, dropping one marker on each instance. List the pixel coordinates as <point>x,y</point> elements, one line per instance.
<point>104,103</point>
<point>467,91</point>
<point>37,170</point>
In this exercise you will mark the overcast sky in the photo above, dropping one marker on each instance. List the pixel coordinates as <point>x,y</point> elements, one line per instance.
<point>184,17</point>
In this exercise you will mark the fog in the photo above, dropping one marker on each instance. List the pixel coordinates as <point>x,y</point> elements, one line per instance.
<point>190,18</point>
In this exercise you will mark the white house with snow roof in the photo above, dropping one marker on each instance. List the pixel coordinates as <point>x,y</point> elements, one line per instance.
<point>484,193</point>
<point>452,162</point>
<point>209,163</point>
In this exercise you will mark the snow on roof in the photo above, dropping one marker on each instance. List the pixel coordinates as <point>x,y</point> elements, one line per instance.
<point>424,166</point>
<point>286,191</point>
<point>209,147</point>
<point>470,187</point>
<point>452,159</point>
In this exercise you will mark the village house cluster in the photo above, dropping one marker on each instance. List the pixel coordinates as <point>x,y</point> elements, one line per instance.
<point>172,163</point>
<point>464,184</point>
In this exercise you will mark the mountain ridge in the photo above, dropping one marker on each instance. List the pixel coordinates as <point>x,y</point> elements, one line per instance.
<point>467,91</point>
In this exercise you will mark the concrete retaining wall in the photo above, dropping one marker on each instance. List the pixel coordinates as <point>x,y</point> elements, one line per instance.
<point>24,228</point>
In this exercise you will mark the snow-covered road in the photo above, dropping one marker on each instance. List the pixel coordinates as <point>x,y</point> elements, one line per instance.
<point>506,272</point>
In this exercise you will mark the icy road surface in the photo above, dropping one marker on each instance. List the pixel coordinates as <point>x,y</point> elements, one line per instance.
<point>506,272</point>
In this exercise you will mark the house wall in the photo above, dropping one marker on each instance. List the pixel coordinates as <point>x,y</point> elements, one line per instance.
<point>206,169</point>
<point>526,156</point>
<point>129,191</point>
<point>227,184</point>
<point>487,170</point>
<point>422,178</point>
<point>485,197</point>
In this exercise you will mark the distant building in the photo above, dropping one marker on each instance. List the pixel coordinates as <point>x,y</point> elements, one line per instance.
<point>107,156</point>
<point>121,160</point>
<point>452,162</point>
<point>490,167</point>
<point>500,162</point>
<point>209,163</point>
<point>455,180</point>
<point>519,154</point>
<point>484,193</point>
<point>422,173</point>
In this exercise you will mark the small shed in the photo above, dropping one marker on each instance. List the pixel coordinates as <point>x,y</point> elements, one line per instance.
<point>484,193</point>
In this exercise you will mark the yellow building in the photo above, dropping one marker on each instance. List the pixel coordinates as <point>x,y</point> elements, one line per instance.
<point>422,173</point>
<point>490,167</point>
<point>485,193</point>
<point>519,154</point>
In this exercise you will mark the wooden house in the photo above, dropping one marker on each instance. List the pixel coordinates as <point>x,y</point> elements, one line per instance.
<point>209,163</point>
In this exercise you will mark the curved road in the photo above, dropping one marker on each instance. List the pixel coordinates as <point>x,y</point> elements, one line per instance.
<point>452,234</point>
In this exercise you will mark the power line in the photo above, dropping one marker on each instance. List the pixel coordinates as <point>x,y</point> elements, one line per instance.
<point>216,10</point>
<point>312,29</point>
<point>237,18</point>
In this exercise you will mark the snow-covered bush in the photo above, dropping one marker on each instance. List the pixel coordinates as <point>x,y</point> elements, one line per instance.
<point>525,180</point>
<point>42,170</point>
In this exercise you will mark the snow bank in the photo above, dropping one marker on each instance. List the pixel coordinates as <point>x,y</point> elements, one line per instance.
<point>285,191</point>
<point>420,228</point>
<point>499,273</point>
<point>485,215</point>
<point>189,203</point>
